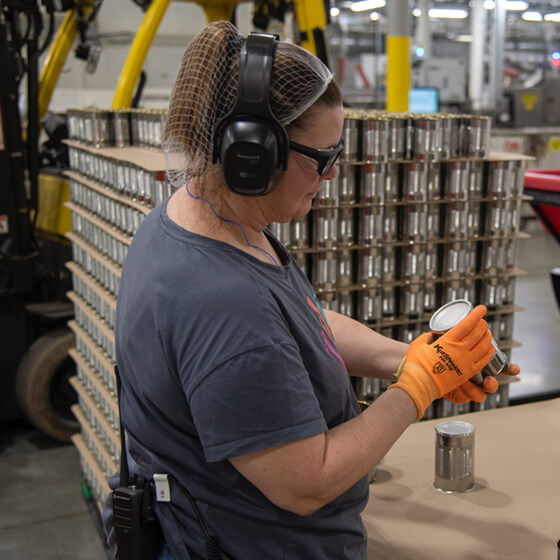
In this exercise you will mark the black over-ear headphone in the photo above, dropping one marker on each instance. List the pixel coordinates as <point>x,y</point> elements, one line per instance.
<point>249,141</point>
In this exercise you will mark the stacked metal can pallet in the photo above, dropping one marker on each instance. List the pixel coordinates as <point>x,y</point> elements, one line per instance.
<point>418,215</point>
<point>116,177</point>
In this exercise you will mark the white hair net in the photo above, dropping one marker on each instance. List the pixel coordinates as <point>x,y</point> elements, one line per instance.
<point>205,90</point>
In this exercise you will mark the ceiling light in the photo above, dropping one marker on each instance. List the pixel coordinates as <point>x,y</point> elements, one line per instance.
<point>417,12</point>
<point>447,13</point>
<point>489,4</point>
<point>531,16</point>
<point>375,16</point>
<point>334,11</point>
<point>515,5</point>
<point>552,17</point>
<point>364,5</point>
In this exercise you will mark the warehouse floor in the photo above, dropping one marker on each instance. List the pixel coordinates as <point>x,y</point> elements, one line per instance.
<point>44,517</point>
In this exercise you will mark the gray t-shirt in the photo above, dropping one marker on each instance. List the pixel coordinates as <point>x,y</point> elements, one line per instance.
<point>220,355</point>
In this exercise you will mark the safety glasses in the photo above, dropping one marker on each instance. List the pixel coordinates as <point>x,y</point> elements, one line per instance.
<point>325,158</point>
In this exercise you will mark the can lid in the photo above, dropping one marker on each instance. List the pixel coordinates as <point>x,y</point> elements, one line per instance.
<point>455,428</point>
<point>447,316</point>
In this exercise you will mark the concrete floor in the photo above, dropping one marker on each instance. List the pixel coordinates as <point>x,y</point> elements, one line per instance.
<point>44,517</point>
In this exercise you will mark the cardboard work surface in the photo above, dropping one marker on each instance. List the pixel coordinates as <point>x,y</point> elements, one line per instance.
<point>512,513</point>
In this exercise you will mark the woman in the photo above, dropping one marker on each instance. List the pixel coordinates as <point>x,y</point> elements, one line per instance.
<point>234,380</point>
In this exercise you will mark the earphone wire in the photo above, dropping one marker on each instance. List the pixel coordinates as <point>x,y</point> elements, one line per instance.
<point>231,222</point>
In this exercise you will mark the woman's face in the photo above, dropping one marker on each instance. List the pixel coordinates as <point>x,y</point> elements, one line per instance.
<point>299,184</point>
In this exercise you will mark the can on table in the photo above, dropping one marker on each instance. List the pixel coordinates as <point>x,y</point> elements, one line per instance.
<point>454,457</point>
<point>452,313</point>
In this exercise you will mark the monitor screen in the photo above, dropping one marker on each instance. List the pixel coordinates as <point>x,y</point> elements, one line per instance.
<point>423,100</point>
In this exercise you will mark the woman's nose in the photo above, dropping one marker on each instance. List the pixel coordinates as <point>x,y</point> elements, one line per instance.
<point>332,173</point>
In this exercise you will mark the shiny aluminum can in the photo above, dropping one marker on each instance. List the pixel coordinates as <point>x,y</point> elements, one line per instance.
<point>390,223</point>
<point>299,234</point>
<point>454,260</point>
<point>496,218</point>
<point>519,181</point>
<point>388,301</point>
<point>508,292</point>
<point>345,183</point>
<point>370,266</point>
<point>282,232</point>
<point>345,268</point>
<point>346,230</point>
<point>416,182</point>
<point>506,327</point>
<point>325,270</point>
<point>433,221</point>
<point>373,183</point>
<point>326,228</point>
<point>369,305</point>
<point>479,136</point>
<point>499,177</point>
<point>414,262</point>
<point>346,303</point>
<point>449,134</point>
<point>415,222</point>
<point>375,139</point>
<point>456,218</point>
<point>392,182</point>
<point>389,256</point>
<point>413,300</point>
<point>397,138</point>
<point>430,297</point>
<point>121,127</point>
<point>426,138</point>
<point>350,134</point>
<point>433,181</point>
<point>473,219</point>
<point>328,193</point>
<point>457,180</point>
<point>431,261</point>
<point>454,457</point>
<point>476,179</point>
<point>371,224</point>
<point>493,257</point>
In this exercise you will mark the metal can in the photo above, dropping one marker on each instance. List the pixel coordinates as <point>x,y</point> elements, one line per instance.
<point>345,183</point>
<point>389,263</point>
<point>430,297</point>
<point>376,139</point>
<point>498,178</point>
<point>373,183</point>
<point>455,259</point>
<point>416,182</point>
<point>325,270</point>
<point>328,193</point>
<point>414,263</point>
<point>345,268</point>
<point>457,180</point>
<point>473,219</point>
<point>449,315</point>
<point>346,233</point>
<point>479,136</point>
<point>369,308</point>
<point>433,221</point>
<point>433,181</point>
<point>392,182</point>
<point>476,179</point>
<point>346,303</point>
<point>415,221</point>
<point>299,233</point>
<point>371,224</point>
<point>454,457</point>
<point>326,228</point>
<point>413,301</point>
<point>350,132</point>
<point>388,301</point>
<point>431,261</point>
<point>397,137</point>
<point>390,230</point>
<point>370,266</point>
<point>496,218</point>
<point>456,218</point>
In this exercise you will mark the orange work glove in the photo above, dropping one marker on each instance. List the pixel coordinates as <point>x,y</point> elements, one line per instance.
<point>470,391</point>
<point>432,369</point>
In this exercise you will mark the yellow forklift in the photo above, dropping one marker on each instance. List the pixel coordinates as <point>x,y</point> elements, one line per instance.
<point>35,366</point>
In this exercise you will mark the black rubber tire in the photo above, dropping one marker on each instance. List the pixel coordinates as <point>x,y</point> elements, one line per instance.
<point>42,388</point>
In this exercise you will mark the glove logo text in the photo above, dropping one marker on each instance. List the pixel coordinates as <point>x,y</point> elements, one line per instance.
<point>445,362</point>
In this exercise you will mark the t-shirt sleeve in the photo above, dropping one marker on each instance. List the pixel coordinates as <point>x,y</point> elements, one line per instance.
<point>257,399</point>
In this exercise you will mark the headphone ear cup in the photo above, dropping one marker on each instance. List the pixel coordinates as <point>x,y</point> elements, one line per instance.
<point>250,154</point>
